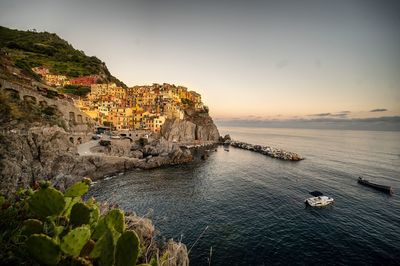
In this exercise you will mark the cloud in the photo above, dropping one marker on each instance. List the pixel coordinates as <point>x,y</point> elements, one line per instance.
<point>386,123</point>
<point>321,114</point>
<point>342,114</point>
<point>379,110</point>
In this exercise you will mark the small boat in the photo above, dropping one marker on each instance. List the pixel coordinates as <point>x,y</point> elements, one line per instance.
<point>383,188</point>
<point>318,200</point>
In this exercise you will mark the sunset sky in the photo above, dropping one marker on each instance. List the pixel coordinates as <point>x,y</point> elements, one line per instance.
<point>248,59</point>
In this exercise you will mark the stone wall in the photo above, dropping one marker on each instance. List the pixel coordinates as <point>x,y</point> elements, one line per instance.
<point>79,122</point>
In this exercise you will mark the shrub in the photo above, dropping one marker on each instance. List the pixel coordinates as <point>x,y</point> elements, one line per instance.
<point>54,228</point>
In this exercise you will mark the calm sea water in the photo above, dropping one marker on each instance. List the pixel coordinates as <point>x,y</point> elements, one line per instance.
<point>253,205</point>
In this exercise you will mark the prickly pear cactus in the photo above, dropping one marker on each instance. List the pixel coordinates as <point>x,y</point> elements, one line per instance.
<point>73,242</point>
<point>77,190</point>
<point>104,249</point>
<point>47,202</point>
<point>127,249</point>
<point>44,249</point>
<point>100,229</point>
<point>78,261</point>
<point>69,202</point>
<point>49,227</point>
<point>115,219</point>
<point>80,214</point>
<point>32,226</point>
<point>94,214</point>
<point>87,248</point>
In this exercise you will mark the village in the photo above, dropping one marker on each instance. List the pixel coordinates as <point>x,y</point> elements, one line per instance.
<point>134,108</point>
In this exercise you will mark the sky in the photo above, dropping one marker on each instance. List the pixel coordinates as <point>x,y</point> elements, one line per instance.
<point>250,60</point>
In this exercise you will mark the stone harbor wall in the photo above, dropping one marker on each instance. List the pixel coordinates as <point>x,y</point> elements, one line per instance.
<point>266,150</point>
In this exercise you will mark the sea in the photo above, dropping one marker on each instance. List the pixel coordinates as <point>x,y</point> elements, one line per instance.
<point>244,208</point>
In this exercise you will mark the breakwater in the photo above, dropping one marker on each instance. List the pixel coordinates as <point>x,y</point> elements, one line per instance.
<point>197,145</point>
<point>266,150</point>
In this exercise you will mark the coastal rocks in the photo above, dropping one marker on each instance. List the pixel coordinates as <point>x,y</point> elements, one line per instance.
<point>196,125</point>
<point>267,150</point>
<point>40,152</point>
<point>225,139</point>
<point>178,130</point>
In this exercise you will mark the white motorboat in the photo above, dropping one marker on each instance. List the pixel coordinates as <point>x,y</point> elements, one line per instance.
<point>318,200</point>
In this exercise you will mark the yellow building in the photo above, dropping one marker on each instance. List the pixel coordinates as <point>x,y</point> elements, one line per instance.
<point>97,90</point>
<point>56,80</point>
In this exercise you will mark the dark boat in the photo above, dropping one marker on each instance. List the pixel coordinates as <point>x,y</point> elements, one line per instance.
<point>386,189</point>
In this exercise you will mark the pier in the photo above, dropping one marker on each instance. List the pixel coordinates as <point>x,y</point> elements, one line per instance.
<point>266,150</point>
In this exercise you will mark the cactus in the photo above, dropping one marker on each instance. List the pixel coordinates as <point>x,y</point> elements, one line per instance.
<point>73,242</point>
<point>77,190</point>
<point>115,219</point>
<point>69,202</point>
<point>44,249</point>
<point>80,214</point>
<point>104,249</point>
<point>32,226</point>
<point>78,261</point>
<point>87,248</point>
<point>47,202</point>
<point>127,249</point>
<point>44,184</point>
<point>94,213</point>
<point>100,229</point>
<point>49,227</point>
<point>87,181</point>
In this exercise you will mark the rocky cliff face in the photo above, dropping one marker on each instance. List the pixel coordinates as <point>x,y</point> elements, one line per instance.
<point>47,153</point>
<point>35,154</point>
<point>196,126</point>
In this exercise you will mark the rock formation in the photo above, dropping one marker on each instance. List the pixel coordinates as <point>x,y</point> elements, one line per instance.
<point>197,125</point>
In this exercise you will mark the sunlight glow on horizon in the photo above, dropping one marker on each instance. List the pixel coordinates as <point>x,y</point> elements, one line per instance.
<point>267,59</point>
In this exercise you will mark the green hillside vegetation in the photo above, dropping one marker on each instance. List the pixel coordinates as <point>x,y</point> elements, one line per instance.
<point>31,49</point>
<point>75,90</point>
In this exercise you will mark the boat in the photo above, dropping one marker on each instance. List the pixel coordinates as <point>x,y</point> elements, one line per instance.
<point>383,188</point>
<point>319,200</point>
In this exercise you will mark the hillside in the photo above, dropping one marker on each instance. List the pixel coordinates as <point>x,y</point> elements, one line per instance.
<point>29,49</point>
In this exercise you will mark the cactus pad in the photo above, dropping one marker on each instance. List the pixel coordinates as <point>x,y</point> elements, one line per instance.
<point>73,242</point>
<point>104,249</point>
<point>115,219</point>
<point>32,226</point>
<point>47,202</point>
<point>43,249</point>
<point>80,214</point>
<point>87,248</point>
<point>127,249</point>
<point>77,190</point>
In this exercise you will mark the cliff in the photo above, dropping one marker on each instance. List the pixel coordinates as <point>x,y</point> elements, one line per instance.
<point>197,125</point>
